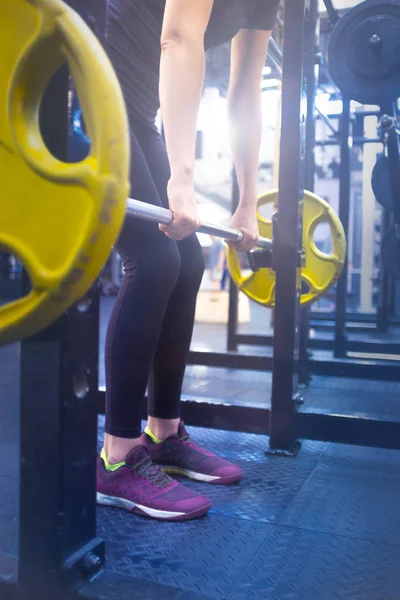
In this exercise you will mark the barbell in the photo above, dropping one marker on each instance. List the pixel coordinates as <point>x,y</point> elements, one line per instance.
<point>62,219</point>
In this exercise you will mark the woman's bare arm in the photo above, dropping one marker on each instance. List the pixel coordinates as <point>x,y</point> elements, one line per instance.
<point>249,50</point>
<point>182,70</point>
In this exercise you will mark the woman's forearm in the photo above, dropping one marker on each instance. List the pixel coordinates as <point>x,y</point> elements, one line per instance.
<point>181,81</point>
<point>245,119</point>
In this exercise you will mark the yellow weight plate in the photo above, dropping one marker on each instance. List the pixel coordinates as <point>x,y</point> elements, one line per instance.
<point>320,270</point>
<point>60,219</point>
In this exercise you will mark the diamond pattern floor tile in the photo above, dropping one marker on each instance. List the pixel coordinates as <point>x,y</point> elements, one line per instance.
<point>351,492</point>
<point>301,565</point>
<point>204,556</point>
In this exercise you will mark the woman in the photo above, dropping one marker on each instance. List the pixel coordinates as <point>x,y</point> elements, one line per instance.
<point>157,48</point>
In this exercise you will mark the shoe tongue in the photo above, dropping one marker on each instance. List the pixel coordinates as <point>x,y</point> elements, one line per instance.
<point>136,455</point>
<point>182,431</point>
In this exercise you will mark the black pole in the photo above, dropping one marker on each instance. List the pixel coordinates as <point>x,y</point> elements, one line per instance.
<point>311,75</point>
<point>393,290</point>
<point>344,216</point>
<point>287,234</point>
<point>332,12</point>
<point>384,294</point>
<point>233,290</point>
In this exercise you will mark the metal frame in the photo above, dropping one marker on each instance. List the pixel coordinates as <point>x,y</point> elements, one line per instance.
<point>311,73</point>
<point>385,280</point>
<point>288,226</point>
<point>341,321</point>
<point>344,215</point>
<point>354,429</point>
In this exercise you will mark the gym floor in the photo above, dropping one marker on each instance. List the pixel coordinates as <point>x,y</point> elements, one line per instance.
<point>322,526</point>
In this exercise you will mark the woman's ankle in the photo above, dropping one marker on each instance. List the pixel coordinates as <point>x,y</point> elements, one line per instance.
<point>163,428</point>
<point>117,448</point>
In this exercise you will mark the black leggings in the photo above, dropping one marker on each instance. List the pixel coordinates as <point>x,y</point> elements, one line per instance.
<point>151,324</point>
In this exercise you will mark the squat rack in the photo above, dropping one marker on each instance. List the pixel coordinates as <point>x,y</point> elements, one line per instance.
<point>341,321</point>
<point>59,552</point>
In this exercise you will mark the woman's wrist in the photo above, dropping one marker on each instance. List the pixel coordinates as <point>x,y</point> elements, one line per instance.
<point>182,174</point>
<point>248,201</point>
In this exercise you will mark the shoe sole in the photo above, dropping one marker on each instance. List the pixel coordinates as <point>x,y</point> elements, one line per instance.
<point>146,511</point>
<point>201,476</point>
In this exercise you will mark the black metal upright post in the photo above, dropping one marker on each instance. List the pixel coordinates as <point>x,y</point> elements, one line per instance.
<point>393,297</point>
<point>233,290</point>
<point>311,72</point>
<point>58,548</point>
<point>344,216</point>
<point>385,281</point>
<point>311,76</point>
<point>288,230</point>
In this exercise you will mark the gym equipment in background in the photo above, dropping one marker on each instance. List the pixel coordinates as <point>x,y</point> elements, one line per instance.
<point>364,52</point>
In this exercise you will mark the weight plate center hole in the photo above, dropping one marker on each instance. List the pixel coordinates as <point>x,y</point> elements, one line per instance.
<point>322,238</point>
<point>70,112</point>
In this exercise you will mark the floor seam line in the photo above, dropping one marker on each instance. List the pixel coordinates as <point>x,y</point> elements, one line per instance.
<point>249,562</point>
<point>341,535</point>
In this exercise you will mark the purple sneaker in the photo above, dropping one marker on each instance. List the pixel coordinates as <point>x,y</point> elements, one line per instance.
<point>178,454</point>
<point>141,487</point>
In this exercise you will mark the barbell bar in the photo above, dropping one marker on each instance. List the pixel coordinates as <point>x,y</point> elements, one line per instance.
<point>156,214</point>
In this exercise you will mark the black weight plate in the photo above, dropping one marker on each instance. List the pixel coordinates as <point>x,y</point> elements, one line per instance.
<point>380,182</point>
<point>390,252</point>
<point>367,72</point>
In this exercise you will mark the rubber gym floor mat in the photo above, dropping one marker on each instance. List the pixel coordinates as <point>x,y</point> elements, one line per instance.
<point>351,492</point>
<point>202,556</point>
<point>293,564</point>
<point>269,484</point>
